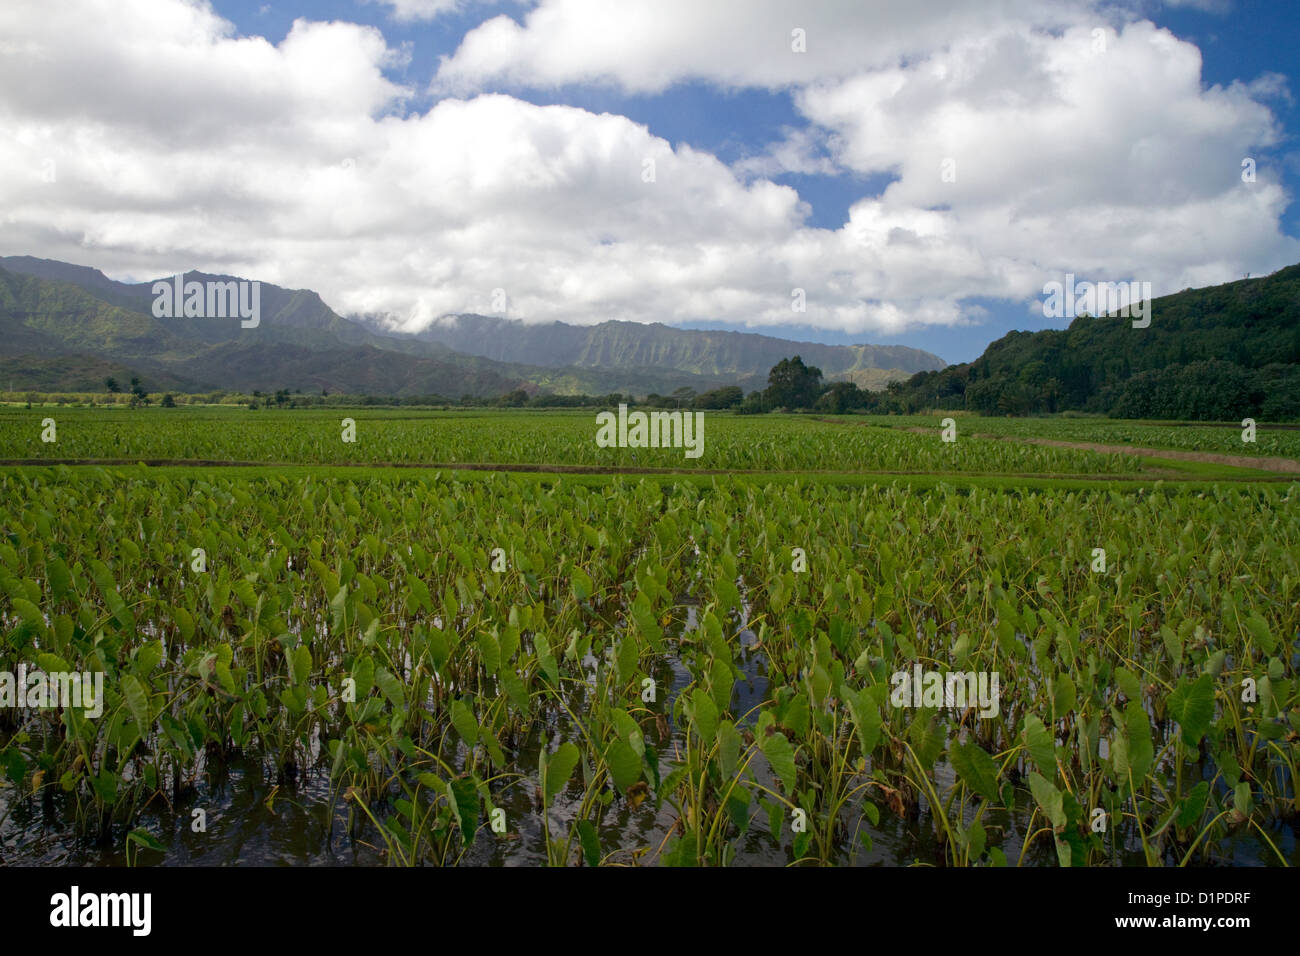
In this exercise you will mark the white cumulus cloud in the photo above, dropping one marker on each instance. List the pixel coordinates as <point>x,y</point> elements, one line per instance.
<point>148,136</point>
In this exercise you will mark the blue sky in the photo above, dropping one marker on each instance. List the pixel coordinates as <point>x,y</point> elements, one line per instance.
<point>775,171</point>
<point>1238,40</point>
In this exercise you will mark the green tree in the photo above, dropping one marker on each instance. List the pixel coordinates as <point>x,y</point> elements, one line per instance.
<point>728,396</point>
<point>841,397</point>
<point>138,395</point>
<point>791,384</point>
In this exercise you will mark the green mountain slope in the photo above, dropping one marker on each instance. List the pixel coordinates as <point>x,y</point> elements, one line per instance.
<point>358,370</point>
<point>300,343</point>
<point>74,372</point>
<point>1217,353</point>
<point>297,316</point>
<point>57,317</point>
<point>50,308</point>
<point>77,319</point>
<point>740,357</point>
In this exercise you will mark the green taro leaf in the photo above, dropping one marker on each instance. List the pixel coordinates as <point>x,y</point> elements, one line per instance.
<point>1140,751</point>
<point>224,677</point>
<point>977,769</point>
<point>51,663</point>
<point>729,743</point>
<point>1192,706</point>
<point>489,651</point>
<point>31,615</point>
<point>184,623</point>
<point>1049,798</point>
<point>363,674</point>
<point>143,838</point>
<point>628,729</point>
<point>419,591</point>
<point>546,660</point>
<point>1261,634</point>
<point>137,701</point>
<point>1192,807</point>
<point>795,715</point>
<point>149,656</point>
<point>738,808</point>
<point>820,683</point>
<point>560,768</point>
<point>515,689</point>
<point>1041,746</point>
<point>590,842</point>
<point>391,688</point>
<point>463,796</point>
<point>300,664</point>
<point>59,576</point>
<point>866,719</point>
<point>975,839</point>
<point>1241,800</point>
<point>244,591</point>
<point>462,718</point>
<point>928,738</point>
<point>582,584</point>
<point>1064,695</point>
<point>105,785</point>
<point>780,755</point>
<point>1128,683</point>
<point>706,716</point>
<point>624,764</point>
<point>721,681</point>
<point>627,658</point>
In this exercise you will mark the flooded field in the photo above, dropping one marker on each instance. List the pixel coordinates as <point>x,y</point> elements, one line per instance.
<point>429,670</point>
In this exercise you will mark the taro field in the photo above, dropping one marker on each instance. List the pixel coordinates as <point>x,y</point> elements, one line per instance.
<point>819,643</point>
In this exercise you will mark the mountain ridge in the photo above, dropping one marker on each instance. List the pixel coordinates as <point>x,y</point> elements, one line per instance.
<point>50,308</point>
<point>703,351</point>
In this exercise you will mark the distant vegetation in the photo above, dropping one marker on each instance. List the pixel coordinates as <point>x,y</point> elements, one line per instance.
<point>1219,353</point>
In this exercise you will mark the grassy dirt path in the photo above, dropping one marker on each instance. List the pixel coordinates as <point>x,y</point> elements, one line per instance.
<point>1284,465</point>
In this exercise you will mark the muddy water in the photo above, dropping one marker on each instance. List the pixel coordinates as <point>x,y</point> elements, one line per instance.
<point>252,820</point>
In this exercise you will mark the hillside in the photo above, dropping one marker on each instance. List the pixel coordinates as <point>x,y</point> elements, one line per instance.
<point>59,315</point>
<point>740,358</point>
<point>1216,353</point>
<point>297,316</point>
<point>60,335</point>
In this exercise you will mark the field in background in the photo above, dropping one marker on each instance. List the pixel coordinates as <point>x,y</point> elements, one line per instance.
<point>1223,438</point>
<point>760,443</point>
